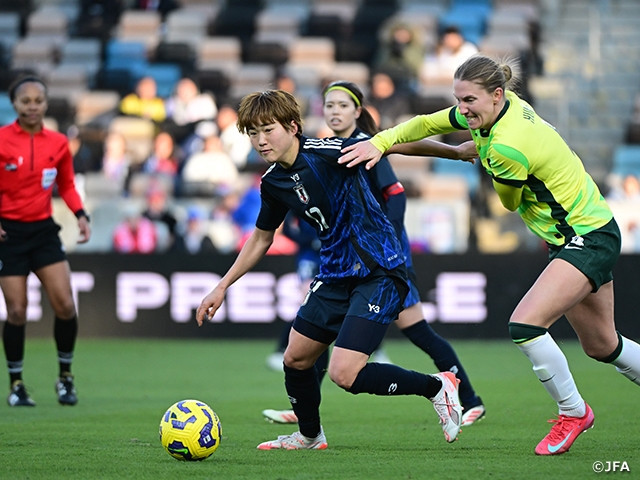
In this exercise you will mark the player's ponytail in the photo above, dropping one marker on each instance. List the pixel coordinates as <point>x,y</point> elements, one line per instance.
<point>489,73</point>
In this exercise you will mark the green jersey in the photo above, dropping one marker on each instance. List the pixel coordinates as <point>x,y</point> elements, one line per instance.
<point>559,198</point>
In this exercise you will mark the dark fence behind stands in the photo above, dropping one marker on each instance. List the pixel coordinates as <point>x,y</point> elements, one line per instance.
<point>464,296</point>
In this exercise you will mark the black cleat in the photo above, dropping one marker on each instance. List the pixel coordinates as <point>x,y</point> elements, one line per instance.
<point>19,396</point>
<point>66,391</point>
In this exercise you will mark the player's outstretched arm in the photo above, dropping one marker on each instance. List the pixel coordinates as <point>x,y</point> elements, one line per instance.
<point>210,304</point>
<point>360,152</point>
<point>430,148</point>
<point>253,250</point>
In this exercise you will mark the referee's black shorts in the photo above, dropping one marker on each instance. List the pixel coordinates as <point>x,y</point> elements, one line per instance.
<point>29,246</point>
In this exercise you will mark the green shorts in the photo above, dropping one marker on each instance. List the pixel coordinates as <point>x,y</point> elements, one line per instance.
<point>594,253</point>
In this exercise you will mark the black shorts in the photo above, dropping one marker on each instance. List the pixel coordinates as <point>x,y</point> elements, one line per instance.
<point>355,312</point>
<point>29,246</point>
<point>594,253</point>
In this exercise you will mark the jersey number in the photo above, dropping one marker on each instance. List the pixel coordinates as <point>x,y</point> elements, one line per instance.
<point>315,214</point>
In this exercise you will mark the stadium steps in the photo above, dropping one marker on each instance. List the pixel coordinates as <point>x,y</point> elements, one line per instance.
<point>592,75</point>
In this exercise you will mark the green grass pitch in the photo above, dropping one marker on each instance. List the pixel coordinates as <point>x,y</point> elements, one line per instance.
<point>124,387</point>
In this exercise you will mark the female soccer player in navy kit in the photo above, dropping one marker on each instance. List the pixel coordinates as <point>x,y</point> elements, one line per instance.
<point>530,165</point>
<point>32,160</point>
<point>362,281</point>
<point>348,117</point>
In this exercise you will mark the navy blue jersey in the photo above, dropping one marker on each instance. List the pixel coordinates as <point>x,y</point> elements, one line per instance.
<point>356,236</point>
<point>380,177</point>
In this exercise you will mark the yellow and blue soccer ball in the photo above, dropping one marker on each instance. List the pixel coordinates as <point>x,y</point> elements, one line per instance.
<point>190,430</point>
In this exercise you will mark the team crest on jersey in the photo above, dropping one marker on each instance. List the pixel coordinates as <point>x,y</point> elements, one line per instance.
<point>303,196</point>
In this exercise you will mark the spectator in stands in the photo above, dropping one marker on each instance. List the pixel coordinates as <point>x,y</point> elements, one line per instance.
<point>115,160</point>
<point>286,82</point>
<point>187,107</point>
<point>625,201</point>
<point>163,163</point>
<point>628,190</point>
<point>205,172</point>
<point>223,230</point>
<point>401,55</point>
<point>161,6</point>
<point>248,207</point>
<point>390,103</point>
<point>157,211</point>
<point>98,17</point>
<point>195,238</point>
<point>451,52</point>
<point>83,159</point>
<point>135,233</point>
<point>236,144</point>
<point>144,102</point>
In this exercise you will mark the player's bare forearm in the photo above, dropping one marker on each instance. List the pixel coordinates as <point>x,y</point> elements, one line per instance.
<point>431,148</point>
<point>253,250</point>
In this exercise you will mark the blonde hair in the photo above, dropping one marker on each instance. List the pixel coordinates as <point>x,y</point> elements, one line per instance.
<point>489,73</point>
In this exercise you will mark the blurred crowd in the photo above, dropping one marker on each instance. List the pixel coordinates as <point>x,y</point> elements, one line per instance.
<point>192,186</point>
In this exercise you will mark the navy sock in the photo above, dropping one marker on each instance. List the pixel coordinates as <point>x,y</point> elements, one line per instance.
<point>321,365</point>
<point>65,333</point>
<point>13,339</point>
<point>444,357</point>
<point>389,379</point>
<point>303,389</point>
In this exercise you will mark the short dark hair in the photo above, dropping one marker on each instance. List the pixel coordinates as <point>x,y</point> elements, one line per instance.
<point>266,107</point>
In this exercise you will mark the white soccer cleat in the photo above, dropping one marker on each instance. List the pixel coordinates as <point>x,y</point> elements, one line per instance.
<point>296,441</point>
<point>447,405</point>
<point>275,361</point>
<point>280,416</point>
<point>473,415</point>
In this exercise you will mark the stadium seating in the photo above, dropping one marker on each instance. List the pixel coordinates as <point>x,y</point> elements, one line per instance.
<point>91,58</point>
<point>626,160</point>
<point>7,113</point>
<point>9,33</point>
<point>166,76</point>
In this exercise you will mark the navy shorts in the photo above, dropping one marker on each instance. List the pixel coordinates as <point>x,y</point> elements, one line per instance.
<point>355,312</point>
<point>29,246</point>
<point>413,296</point>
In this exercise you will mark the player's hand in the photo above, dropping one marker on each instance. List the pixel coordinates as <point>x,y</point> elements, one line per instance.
<point>3,234</point>
<point>467,151</point>
<point>209,305</point>
<point>85,230</point>
<point>360,152</point>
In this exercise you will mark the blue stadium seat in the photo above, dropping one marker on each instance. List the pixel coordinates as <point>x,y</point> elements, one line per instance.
<point>626,160</point>
<point>136,67</point>
<point>7,113</point>
<point>125,49</point>
<point>166,76</point>
<point>469,17</point>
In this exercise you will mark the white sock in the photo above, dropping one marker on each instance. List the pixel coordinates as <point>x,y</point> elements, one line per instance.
<point>628,362</point>
<point>551,367</point>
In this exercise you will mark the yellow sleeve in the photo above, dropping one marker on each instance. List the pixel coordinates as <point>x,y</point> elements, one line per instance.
<point>416,128</point>
<point>510,196</point>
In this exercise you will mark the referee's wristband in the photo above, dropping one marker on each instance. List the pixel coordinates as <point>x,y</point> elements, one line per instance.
<point>82,213</point>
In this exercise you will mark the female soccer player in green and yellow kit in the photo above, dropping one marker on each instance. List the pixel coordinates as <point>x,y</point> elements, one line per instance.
<point>536,173</point>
